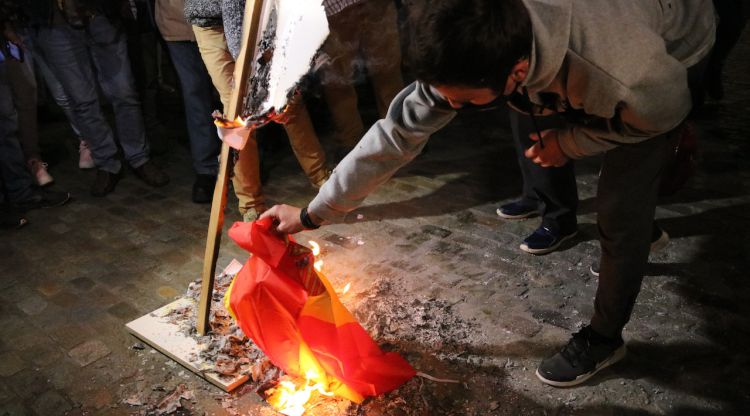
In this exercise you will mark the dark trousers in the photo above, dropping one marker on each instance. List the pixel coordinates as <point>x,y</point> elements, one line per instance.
<point>197,98</point>
<point>553,190</point>
<point>626,202</point>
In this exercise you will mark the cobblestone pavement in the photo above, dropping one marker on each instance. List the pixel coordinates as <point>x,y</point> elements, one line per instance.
<point>430,240</point>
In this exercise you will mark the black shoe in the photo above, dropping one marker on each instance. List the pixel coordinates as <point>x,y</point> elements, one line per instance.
<point>659,240</point>
<point>11,218</point>
<point>43,198</point>
<point>151,174</point>
<point>104,183</point>
<point>203,188</point>
<point>586,354</point>
<point>517,210</point>
<point>543,240</point>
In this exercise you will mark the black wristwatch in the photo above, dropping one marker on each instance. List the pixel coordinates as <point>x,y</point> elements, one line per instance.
<point>308,223</point>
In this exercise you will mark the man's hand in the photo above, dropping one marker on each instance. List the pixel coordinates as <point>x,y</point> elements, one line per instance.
<point>285,217</point>
<point>551,155</point>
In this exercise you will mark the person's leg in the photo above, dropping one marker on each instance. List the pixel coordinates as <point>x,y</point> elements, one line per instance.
<point>550,191</point>
<point>381,48</point>
<point>554,188</point>
<point>626,199</point>
<point>341,47</point>
<point>305,143</point>
<point>56,90</point>
<point>246,180</point>
<point>197,98</point>
<point>16,179</point>
<point>626,202</point>
<point>109,53</point>
<point>219,62</point>
<point>65,52</point>
<point>24,89</point>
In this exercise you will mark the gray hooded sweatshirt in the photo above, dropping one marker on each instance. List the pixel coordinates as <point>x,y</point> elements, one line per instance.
<point>622,63</point>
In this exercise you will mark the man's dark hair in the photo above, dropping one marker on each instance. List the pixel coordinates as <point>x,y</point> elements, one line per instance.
<point>470,43</point>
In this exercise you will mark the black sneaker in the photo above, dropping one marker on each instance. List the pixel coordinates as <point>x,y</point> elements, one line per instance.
<point>151,174</point>
<point>43,198</point>
<point>203,188</point>
<point>104,183</point>
<point>543,240</point>
<point>659,240</point>
<point>517,210</point>
<point>586,354</point>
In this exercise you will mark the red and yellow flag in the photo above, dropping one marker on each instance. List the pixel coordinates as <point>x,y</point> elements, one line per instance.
<point>293,314</point>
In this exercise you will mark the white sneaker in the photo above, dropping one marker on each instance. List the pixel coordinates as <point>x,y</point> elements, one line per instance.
<point>38,170</point>
<point>85,161</point>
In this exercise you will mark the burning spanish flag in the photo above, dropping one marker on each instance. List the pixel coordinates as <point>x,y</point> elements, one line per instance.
<point>293,314</point>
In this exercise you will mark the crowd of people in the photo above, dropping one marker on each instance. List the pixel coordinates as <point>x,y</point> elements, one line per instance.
<point>600,78</point>
<point>79,48</point>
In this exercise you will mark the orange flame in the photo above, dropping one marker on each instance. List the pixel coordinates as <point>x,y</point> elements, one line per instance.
<point>289,397</point>
<point>318,265</point>
<point>229,124</point>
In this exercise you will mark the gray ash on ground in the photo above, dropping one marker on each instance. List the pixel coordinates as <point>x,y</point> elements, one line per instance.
<point>430,323</point>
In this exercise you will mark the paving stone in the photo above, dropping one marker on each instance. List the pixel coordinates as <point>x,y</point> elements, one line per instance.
<point>51,403</point>
<point>10,363</point>
<point>166,292</point>
<point>88,352</point>
<point>60,228</point>
<point>32,305</point>
<point>14,409</point>
<point>81,284</point>
<point>66,299</point>
<point>69,334</point>
<point>123,310</point>
<point>49,288</point>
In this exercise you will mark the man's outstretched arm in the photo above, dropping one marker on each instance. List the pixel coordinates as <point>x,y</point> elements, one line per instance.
<point>415,114</point>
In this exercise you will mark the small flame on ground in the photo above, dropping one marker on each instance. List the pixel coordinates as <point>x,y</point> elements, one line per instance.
<point>290,400</point>
<point>346,288</point>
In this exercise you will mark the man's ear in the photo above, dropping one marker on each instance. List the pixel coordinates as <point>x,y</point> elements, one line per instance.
<point>520,70</point>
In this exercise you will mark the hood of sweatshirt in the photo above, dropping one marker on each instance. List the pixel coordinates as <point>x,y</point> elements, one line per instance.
<point>550,21</point>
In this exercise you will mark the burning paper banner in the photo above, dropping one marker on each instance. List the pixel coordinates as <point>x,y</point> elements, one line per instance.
<point>292,313</point>
<point>292,32</point>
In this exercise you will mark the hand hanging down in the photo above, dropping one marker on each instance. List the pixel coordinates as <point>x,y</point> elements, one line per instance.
<point>549,155</point>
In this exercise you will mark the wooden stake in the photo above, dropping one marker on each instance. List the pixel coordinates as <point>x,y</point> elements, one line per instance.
<point>242,68</point>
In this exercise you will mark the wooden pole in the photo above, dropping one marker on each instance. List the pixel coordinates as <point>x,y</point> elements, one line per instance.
<point>242,68</point>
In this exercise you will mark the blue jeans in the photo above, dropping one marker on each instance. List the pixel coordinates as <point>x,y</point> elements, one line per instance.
<point>55,89</point>
<point>197,97</point>
<point>70,53</point>
<point>16,180</point>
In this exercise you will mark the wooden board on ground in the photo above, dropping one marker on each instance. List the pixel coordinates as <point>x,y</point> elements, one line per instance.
<point>160,331</point>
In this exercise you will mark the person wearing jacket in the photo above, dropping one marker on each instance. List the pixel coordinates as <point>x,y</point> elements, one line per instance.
<point>617,72</point>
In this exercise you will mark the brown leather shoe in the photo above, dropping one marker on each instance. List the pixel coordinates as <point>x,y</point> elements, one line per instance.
<point>151,174</point>
<point>104,183</point>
